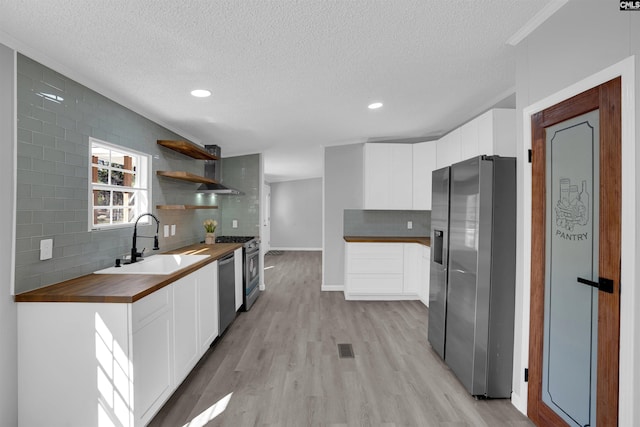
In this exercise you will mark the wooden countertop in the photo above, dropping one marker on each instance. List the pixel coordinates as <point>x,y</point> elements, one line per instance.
<point>389,239</point>
<point>123,288</point>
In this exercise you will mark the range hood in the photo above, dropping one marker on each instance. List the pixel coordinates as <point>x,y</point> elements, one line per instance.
<point>213,170</point>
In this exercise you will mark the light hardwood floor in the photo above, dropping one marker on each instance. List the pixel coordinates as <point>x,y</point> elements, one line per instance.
<point>280,362</point>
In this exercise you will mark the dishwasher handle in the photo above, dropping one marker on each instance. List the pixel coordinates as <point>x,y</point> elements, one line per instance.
<point>226,259</point>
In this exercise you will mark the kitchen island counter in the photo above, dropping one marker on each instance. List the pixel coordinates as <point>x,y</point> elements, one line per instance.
<point>124,288</point>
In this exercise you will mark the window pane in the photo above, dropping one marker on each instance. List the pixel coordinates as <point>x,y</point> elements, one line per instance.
<point>123,198</point>
<point>130,163</point>
<point>117,159</point>
<point>101,197</point>
<point>117,216</point>
<point>118,198</point>
<point>101,216</point>
<point>101,176</point>
<point>117,178</point>
<point>100,156</point>
<point>129,180</point>
<point>130,215</point>
<point>131,201</point>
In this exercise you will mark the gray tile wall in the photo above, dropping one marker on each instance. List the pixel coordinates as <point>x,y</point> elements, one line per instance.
<point>242,173</point>
<point>52,178</point>
<point>359,222</point>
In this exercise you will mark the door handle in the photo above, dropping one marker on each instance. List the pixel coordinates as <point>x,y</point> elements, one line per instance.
<point>604,285</point>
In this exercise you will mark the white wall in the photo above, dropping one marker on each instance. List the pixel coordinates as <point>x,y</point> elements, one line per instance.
<point>8,317</point>
<point>296,214</point>
<point>564,56</point>
<point>343,175</point>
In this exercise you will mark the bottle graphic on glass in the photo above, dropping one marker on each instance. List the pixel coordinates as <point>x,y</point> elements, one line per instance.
<point>573,206</point>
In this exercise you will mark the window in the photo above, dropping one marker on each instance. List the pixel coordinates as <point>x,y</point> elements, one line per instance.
<point>120,185</point>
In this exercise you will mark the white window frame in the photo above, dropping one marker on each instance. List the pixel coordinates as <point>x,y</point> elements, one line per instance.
<point>141,188</point>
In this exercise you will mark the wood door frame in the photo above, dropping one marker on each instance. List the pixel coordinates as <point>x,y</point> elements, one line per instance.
<point>607,97</point>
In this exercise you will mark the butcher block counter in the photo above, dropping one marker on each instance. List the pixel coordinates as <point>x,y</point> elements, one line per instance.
<point>123,288</point>
<point>426,241</point>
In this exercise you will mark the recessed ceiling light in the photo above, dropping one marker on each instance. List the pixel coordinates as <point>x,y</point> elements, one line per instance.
<point>375,105</point>
<point>201,93</point>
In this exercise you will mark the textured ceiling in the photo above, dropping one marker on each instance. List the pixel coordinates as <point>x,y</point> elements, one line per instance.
<point>287,76</point>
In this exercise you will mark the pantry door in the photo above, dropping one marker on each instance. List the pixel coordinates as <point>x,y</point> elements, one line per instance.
<point>575,260</point>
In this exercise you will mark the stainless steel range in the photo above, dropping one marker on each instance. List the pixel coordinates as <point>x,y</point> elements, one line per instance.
<point>251,275</point>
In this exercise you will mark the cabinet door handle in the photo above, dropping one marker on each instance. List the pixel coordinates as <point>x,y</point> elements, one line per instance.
<point>603,284</point>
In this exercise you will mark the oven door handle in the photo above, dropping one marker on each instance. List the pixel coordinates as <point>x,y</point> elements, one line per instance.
<point>250,252</point>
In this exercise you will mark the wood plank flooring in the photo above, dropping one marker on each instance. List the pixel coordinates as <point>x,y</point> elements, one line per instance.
<point>281,365</point>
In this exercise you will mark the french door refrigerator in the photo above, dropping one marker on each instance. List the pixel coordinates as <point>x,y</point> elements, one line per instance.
<point>472,289</point>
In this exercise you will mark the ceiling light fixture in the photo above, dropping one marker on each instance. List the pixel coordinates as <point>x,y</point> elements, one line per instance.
<point>375,105</point>
<point>201,93</point>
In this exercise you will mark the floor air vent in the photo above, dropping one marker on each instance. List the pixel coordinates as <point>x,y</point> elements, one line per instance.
<point>345,351</point>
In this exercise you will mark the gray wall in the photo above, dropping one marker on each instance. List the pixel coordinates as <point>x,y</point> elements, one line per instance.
<point>52,178</point>
<point>343,175</point>
<point>296,214</point>
<point>8,317</point>
<point>242,173</point>
<point>581,39</point>
<point>358,222</point>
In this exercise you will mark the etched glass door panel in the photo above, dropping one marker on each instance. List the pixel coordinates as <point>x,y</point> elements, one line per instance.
<point>570,307</point>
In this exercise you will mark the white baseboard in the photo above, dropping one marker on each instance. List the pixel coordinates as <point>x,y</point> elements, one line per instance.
<point>272,248</point>
<point>425,302</point>
<point>332,288</point>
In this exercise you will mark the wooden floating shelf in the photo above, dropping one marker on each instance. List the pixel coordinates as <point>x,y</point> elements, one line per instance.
<point>185,207</point>
<point>186,176</point>
<point>188,149</point>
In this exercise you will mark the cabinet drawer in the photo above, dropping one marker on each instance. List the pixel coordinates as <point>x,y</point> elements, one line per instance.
<point>375,250</point>
<point>375,258</point>
<point>376,266</point>
<point>148,308</point>
<point>375,284</point>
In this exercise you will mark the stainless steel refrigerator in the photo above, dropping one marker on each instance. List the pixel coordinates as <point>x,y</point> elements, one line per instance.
<point>472,289</point>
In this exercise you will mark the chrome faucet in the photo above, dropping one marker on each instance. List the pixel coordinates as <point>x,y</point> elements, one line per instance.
<point>134,251</point>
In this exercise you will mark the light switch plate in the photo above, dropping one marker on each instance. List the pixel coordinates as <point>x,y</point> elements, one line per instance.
<point>234,223</point>
<point>173,229</point>
<point>409,225</point>
<point>46,249</point>
<point>166,230</point>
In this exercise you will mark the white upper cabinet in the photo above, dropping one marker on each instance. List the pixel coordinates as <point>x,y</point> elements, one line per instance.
<point>424,162</point>
<point>492,133</point>
<point>388,176</point>
<point>448,149</point>
<point>469,140</point>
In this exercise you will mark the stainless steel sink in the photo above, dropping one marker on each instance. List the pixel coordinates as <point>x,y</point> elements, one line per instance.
<point>155,264</point>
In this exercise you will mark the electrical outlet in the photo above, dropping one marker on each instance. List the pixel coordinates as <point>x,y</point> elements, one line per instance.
<point>409,225</point>
<point>46,249</point>
<point>166,231</point>
<point>173,229</point>
<point>234,223</point>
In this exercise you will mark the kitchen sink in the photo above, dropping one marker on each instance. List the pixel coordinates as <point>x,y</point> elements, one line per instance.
<point>155,264</point>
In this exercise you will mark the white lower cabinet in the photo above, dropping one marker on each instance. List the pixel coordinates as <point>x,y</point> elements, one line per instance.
<point>151,353</point>
<point>412,268</point>
<point>94,364</point>
<point>207,295</point>
<point>383,271</point>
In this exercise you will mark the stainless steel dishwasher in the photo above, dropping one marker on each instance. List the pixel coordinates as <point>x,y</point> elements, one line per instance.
<point>226,292</point>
